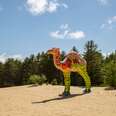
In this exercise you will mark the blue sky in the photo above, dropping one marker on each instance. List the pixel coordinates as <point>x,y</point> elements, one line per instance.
<point>32,26</point>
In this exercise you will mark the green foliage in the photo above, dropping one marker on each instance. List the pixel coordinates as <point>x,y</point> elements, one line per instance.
<point>37,79</point>
<point>29,67</point>
<point>31,70</point>
<point>111,57</point>
<point>94,62</point>
<point>1,74</point>
<point>110,73</point>
<point>47,68</point>
<point>54,82</point>
<point>74,49</point>
<point>12,72</point>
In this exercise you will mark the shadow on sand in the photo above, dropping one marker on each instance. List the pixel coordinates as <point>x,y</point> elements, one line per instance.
<point>110,88</point>
<point>33,85</point>
<point>58,98</point>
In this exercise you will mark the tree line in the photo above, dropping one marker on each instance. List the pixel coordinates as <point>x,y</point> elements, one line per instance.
<point>39,69</point>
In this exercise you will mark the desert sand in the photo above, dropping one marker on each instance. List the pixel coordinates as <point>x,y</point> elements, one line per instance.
<point>45,101</point>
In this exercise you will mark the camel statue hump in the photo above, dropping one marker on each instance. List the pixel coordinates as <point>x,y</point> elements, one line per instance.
<point>75,57</point>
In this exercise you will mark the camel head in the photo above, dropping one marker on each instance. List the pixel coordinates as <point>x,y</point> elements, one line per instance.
<point>54,51</point>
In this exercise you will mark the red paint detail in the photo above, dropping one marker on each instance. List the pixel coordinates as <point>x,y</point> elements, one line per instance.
<point>66,64</point>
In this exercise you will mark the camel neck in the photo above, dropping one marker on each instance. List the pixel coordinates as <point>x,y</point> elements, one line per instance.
<point>56,60</point>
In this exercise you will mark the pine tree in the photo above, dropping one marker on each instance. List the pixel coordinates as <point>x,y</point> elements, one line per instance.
<point>93,57</point>
<point>1,74</point>
<point>109,70</point>
<point>12,72</point>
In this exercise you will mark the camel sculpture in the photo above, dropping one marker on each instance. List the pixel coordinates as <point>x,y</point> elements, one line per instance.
<point>73,62</point>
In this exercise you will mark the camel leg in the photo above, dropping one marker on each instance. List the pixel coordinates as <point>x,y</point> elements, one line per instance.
<point>82,71</point>
<point>67,82</point>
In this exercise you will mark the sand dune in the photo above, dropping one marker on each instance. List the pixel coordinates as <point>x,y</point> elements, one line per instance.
<point>44,101</point>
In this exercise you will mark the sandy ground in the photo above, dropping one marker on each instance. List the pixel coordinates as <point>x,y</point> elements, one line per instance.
<point>44,101</point>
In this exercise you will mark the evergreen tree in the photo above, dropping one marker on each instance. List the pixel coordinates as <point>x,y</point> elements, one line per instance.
<point>109,70</point>
<point>94,62</point>
<point>29,67</point>
<point>1,74</point>
<point>12,72</point>
<point>15,72</point>
<point>47,67</point>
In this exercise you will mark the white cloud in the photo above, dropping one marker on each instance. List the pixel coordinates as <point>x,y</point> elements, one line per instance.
<point>64,26</point>
<point>52,6</point>
<point>112,20</point>
<point>4,57</point>
<point>109,23</point>
<point>77,34</point>
<point>104,2</point>
<point>16,56</point>
<point>65,5</point>
<point>65,32</point>
<point>106,54</point>
<point>56,34</point>
<point>38,7</point>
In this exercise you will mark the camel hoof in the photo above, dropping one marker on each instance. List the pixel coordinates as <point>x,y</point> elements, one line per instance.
<point>86,91</point>
<point>65,94</point>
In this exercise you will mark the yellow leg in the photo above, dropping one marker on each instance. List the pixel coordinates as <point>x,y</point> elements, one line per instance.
<point>67,83</point>
<point>81,69</point>
<point>86,78</point>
